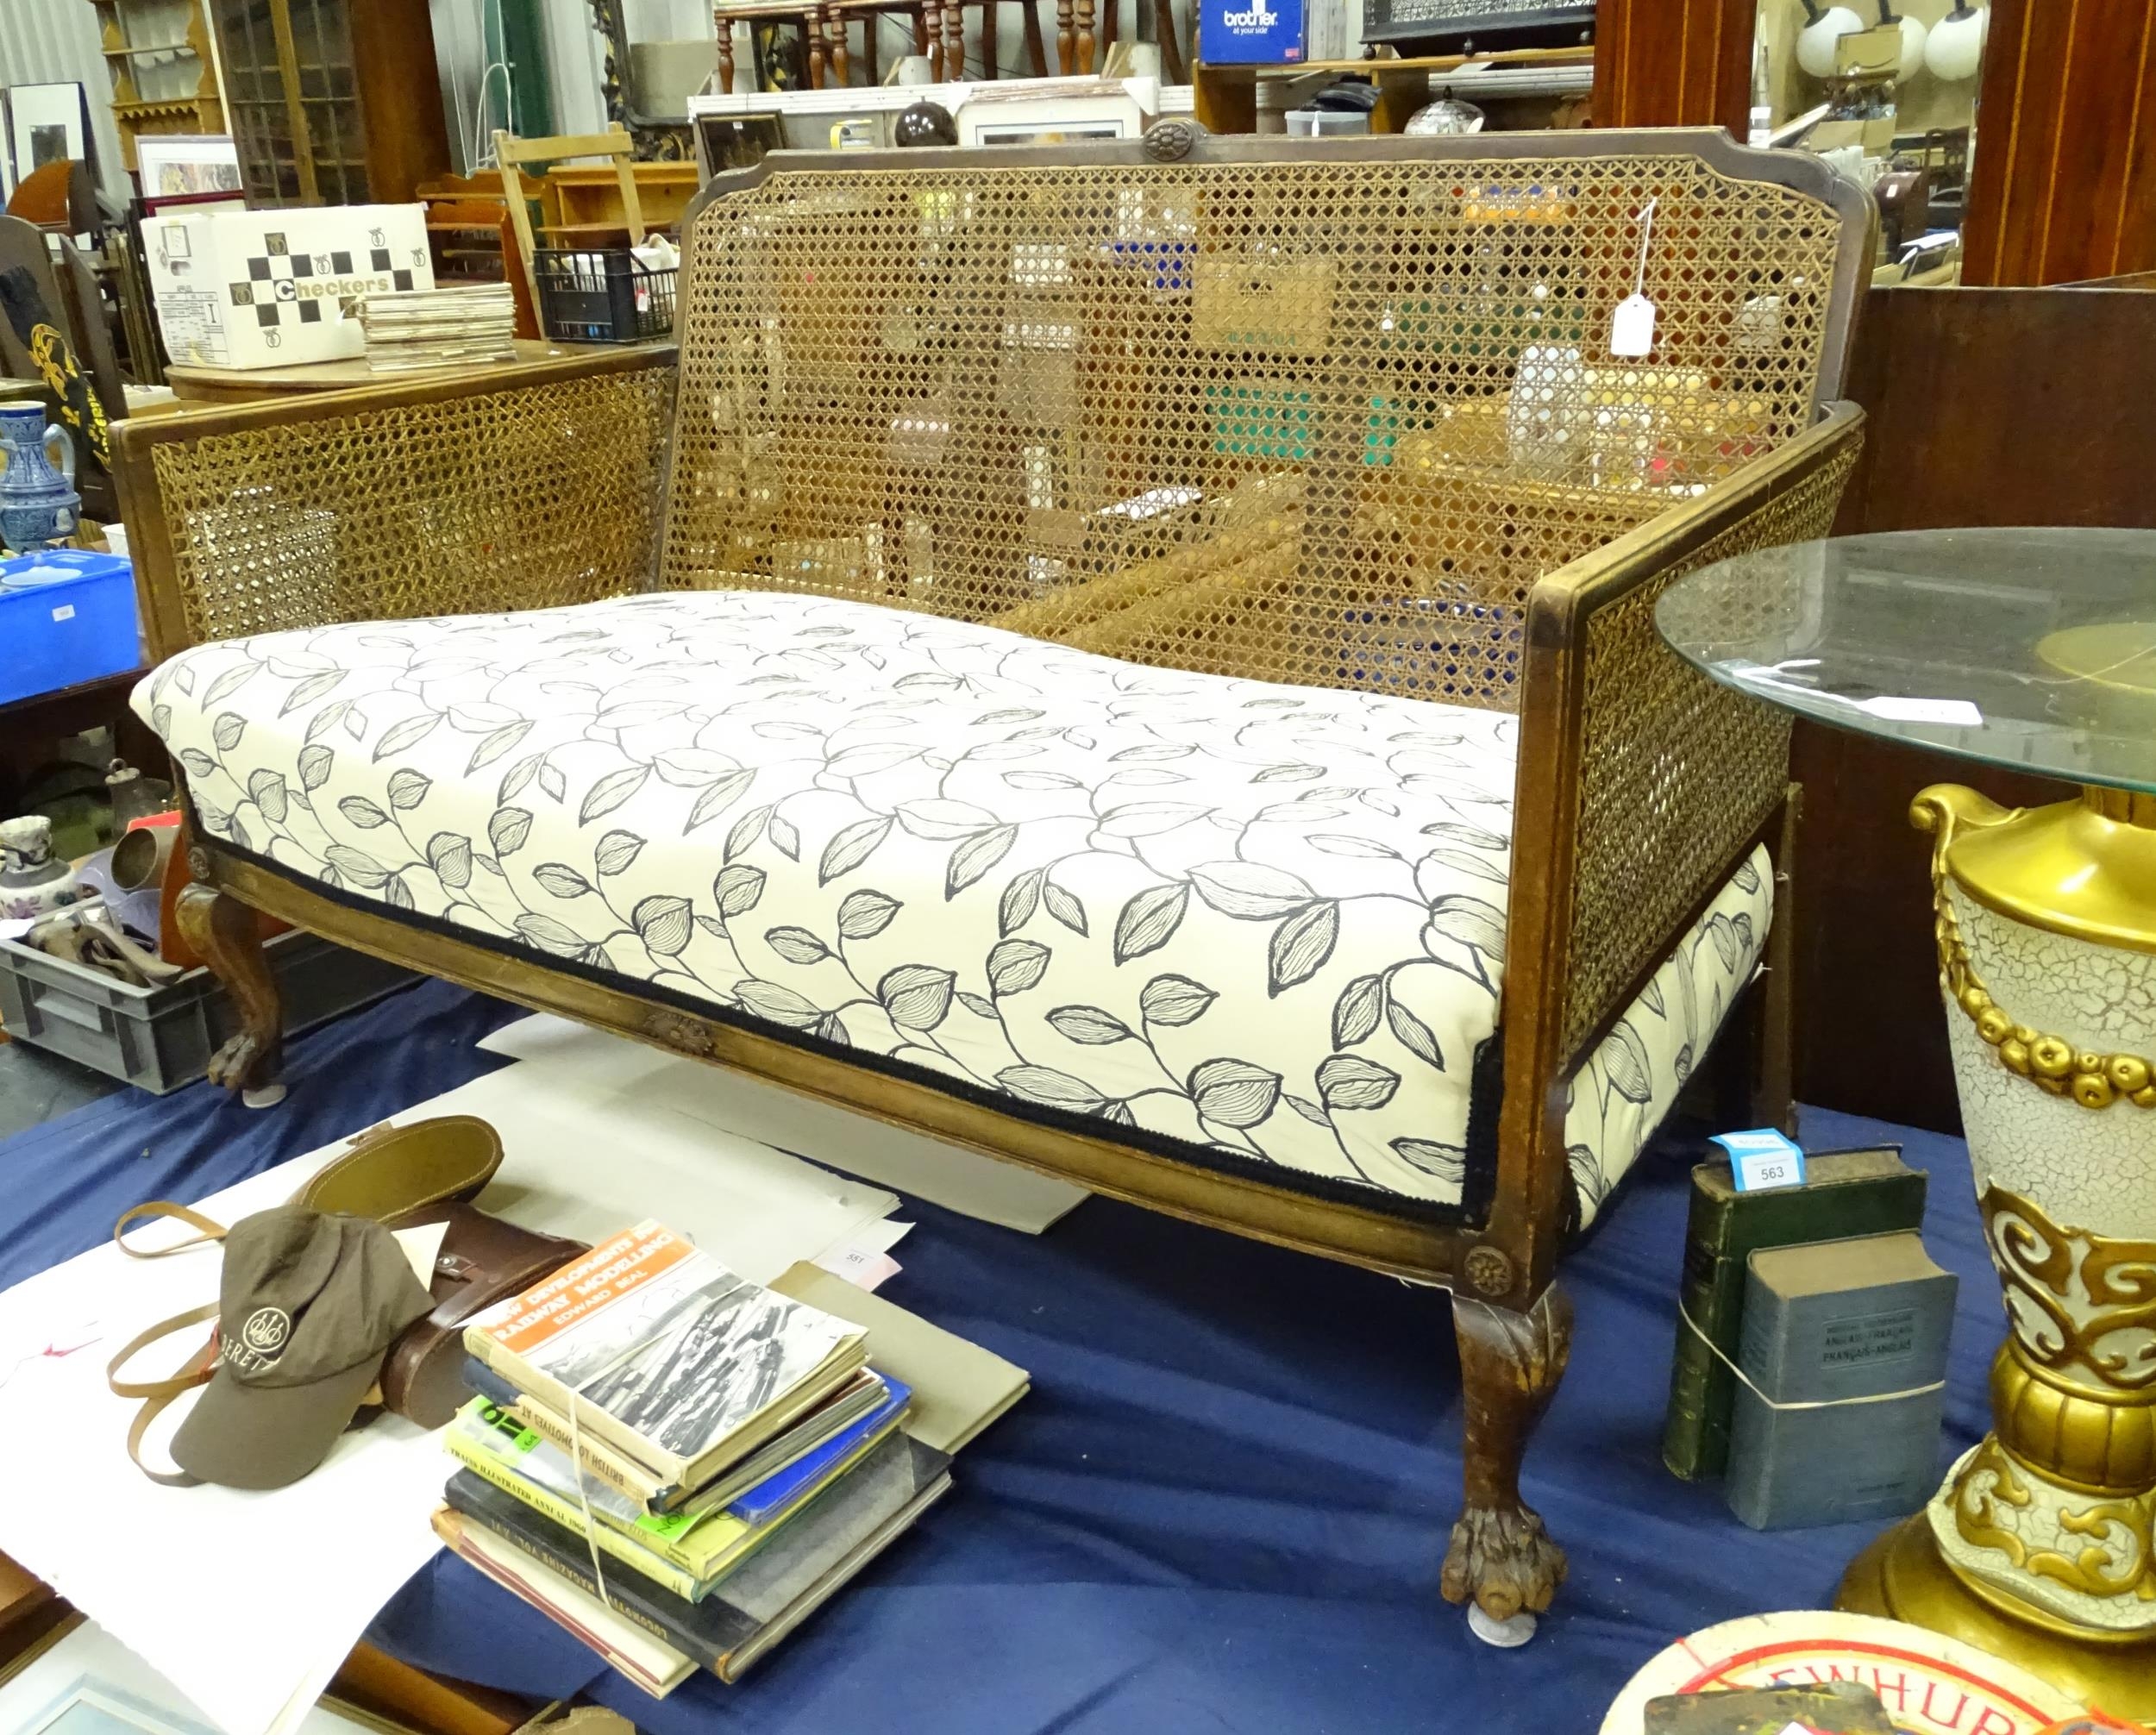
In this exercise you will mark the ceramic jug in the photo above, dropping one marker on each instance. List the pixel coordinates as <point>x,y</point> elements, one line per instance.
<point>32,883</point>
<point>38,504</point>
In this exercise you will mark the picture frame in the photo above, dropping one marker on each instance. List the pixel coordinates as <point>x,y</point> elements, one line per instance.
<point>187,165</point>
<point>91,1705</point>
<point>47,123</point>
<point>992,117</point>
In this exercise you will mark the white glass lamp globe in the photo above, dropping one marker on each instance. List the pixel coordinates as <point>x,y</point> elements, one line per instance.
<point>1815,42</point>
<point>1955,47</point>
<point>1913,38</point>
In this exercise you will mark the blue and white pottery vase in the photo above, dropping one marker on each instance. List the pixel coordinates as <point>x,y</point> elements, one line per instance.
<point>38,504</point>
<point>32,881</point>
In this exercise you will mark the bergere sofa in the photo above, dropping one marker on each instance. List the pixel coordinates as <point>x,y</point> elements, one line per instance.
<point>1134,657</point>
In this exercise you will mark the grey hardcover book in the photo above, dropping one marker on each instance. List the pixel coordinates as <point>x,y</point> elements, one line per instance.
<point>1824,1324</point>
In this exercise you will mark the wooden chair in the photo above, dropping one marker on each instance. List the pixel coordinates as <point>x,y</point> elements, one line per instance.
<point>469,229</point>
<point>940,32</point>
<point>511,153</point>
<point>59,196</point>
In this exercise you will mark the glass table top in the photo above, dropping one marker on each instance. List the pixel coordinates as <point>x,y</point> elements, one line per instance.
<point>2030,648</point>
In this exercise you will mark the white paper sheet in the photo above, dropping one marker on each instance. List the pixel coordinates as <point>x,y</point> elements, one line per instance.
<point>248,1602</point>
<point>914,1163</point>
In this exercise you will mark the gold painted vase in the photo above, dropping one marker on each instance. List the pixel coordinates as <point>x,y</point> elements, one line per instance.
<point>2039,1546</point>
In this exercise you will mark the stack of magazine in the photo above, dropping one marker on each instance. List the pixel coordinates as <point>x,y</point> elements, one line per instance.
<point>675,1463</point>
<point>439,328</point>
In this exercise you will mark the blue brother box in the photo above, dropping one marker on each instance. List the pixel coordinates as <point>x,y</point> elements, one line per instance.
<point>1243,33</point>
<point>67,615</point>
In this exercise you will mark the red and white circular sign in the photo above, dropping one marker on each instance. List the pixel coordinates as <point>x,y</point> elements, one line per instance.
<point>1930,1684</point>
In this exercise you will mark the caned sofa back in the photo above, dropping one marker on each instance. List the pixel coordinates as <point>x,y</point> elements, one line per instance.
<point>1322,414</point>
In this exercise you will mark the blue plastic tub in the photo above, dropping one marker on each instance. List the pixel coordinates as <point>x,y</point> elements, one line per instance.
<point>67,615</point>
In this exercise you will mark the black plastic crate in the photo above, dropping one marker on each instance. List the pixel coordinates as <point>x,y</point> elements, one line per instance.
<point>601,295</point>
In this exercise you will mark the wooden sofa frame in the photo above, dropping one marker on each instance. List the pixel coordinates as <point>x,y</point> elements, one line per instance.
<point>1612,725</point>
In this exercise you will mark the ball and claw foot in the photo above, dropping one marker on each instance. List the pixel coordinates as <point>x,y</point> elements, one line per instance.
<point>235,1066</point>
<point>1504,1561</point>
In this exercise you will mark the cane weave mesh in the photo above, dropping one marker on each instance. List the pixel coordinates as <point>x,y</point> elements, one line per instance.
<point>1323,421</point>
<point>527,497</point>
<point>1676,772</point>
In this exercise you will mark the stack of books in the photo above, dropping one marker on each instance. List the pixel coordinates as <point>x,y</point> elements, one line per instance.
<point>676,1464</point>
<point>440,328</point>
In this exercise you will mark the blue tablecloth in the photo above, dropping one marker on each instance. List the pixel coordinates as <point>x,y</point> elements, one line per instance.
<point>1222,1506</point>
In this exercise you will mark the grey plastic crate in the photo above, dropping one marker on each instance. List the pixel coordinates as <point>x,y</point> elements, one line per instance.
<point>162,1038</point>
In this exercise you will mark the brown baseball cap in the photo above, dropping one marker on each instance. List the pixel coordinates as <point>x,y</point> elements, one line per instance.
<point>309,1305</point>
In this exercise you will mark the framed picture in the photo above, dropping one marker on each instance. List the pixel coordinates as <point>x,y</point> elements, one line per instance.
<point>47,123</point>
<point>186,164</point>
<point>737,141</point>
<point>91,1706</point>
<point>991,117</point>
<point>79,1680</point>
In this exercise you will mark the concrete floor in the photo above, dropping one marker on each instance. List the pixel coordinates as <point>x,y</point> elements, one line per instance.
<point>37,1086</point>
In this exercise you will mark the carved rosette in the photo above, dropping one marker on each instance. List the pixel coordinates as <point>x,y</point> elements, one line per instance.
<point>679,1031</point>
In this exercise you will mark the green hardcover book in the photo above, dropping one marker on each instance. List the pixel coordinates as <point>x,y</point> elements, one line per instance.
<point>1846,1193</point>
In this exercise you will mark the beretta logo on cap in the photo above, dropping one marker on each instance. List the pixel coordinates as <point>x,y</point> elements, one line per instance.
<point>261,1340</point>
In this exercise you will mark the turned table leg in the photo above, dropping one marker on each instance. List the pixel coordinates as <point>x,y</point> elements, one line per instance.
<point>991,51</point>
<point>835,27</point>
<point>954,39</point>
<point>725,55</point>
<point>1065,42</point>
<point>1510,1364</point>
<point>228,937</point>
<point>812,28</point>
<point>932,38</point>
<point>1085,39</point>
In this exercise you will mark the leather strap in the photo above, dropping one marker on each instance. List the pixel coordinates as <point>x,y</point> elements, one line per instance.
<point>156,1395</point>
<point>211,1231</point>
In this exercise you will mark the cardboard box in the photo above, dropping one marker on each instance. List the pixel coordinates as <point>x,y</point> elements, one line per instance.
<point>1262,33</point>
<point>277,288</point>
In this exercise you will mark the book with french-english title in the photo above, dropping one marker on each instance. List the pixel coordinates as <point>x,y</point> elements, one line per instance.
<point>656,1348</point>
<point>1846,1193</point>
<point>842,1529</point>
<point>1844,1355</point>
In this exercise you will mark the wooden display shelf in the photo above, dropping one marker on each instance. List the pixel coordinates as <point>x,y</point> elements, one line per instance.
<point>1225,98</point>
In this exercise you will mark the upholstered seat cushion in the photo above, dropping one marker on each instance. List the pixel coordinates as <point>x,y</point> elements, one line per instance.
<point>1259,927</point>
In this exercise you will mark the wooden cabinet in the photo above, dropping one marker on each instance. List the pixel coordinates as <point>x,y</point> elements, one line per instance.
<point>332,102</point>
<point>157,53</point>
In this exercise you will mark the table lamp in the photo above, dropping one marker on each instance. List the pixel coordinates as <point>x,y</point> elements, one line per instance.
<point>1815,42</point>
<point>1955,47</point>
<point>1913,38</point>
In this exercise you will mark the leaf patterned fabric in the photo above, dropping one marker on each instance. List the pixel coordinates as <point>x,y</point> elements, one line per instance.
<point>1632,1079</point>
<point>1259,926</point>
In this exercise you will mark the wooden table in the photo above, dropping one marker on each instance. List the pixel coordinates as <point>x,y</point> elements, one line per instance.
<point>201,385</point>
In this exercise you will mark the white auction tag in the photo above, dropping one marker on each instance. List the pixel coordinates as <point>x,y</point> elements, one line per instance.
<point>1631,326</point>
<point>865,1268</point>
<point>1762,1159</point>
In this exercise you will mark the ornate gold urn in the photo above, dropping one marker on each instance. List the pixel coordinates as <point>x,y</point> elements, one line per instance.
<point>2038,1546</point>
